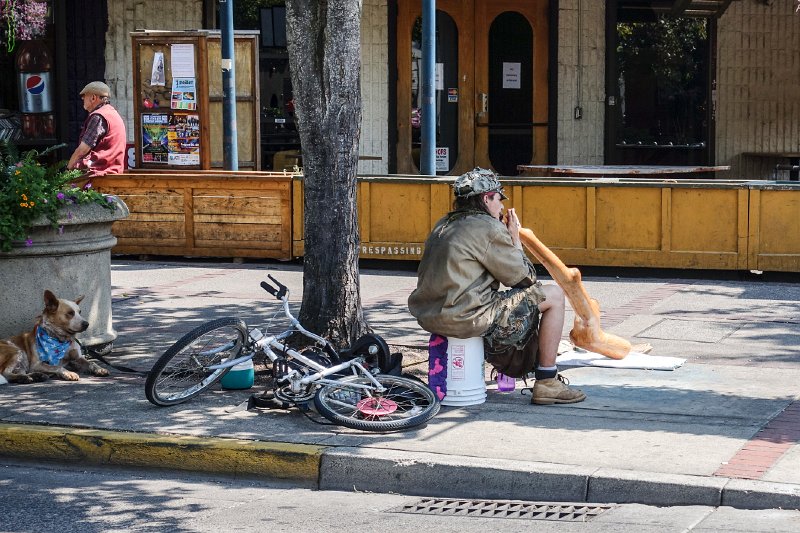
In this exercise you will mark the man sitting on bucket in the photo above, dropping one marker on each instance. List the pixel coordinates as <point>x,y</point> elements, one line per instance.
<point>472,251</point>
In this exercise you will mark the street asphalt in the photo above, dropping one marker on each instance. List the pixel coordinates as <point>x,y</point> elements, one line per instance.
<point>722,429</point>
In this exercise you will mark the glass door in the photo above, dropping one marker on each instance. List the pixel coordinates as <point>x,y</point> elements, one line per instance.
<point>453,90</point>
<point>511,60</point>
<point>491,84</point>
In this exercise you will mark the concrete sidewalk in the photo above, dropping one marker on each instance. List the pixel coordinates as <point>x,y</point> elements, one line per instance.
<point>721,430</point>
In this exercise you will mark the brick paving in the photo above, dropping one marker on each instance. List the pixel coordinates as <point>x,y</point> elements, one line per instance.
<point>766,448</point>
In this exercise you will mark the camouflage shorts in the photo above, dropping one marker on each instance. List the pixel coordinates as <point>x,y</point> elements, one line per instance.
<point>517,319</point>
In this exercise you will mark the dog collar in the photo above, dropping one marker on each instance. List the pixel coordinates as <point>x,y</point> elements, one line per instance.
<point>51,349</point>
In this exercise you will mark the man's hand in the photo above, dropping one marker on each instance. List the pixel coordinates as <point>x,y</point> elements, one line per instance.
<point>513,225</point>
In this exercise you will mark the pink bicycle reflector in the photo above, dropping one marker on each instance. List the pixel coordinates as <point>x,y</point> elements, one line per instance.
<point>376,406</point>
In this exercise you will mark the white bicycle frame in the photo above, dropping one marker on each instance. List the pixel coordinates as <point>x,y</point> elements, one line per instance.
<point>298,381</point>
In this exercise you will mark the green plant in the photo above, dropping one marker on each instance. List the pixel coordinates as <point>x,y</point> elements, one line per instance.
<point>30,191</point>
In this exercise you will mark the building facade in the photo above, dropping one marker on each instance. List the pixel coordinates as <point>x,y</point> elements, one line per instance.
<point>519,81</point>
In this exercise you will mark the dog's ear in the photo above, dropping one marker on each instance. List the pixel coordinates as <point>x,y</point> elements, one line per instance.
<point>79,298</point>
<point>50,300</point>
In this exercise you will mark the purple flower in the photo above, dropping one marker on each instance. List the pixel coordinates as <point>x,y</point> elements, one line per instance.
<point>69,215</point>
<point>28,242</point>
<point>109,199</point>
<point>61,230</point>
<point>60,196</point>
<point>87,186</point>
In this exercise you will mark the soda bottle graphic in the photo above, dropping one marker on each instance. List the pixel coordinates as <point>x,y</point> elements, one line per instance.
<point>34,66</point>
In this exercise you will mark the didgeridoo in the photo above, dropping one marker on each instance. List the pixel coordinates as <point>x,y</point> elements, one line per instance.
<point>586,332</point>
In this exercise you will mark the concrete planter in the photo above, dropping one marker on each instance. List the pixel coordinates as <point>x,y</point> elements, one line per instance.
<point>70,263</point>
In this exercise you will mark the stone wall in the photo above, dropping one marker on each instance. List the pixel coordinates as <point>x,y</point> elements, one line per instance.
<point>758,86</point>
<point>374,87</point>
<point>127,16</point>
<point>581,81</point>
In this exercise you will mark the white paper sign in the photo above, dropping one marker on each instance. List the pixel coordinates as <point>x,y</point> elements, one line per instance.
<point>184,159</point>
<point>182,60</point>
<point>157,74</point>
<point>442,159</point>
<point>439,77</point>
<point>511,75</point>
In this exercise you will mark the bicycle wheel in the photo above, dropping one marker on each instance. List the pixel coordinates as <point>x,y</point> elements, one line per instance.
<point>182,372</point>
<point>404,404</point>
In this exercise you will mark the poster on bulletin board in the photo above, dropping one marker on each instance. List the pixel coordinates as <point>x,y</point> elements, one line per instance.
<point>183,94</point>
<point>155,128</point>
<point>184,139</point>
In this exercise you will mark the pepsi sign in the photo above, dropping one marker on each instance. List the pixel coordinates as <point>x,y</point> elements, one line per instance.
<point>35,92</point>
<point>35,85</point>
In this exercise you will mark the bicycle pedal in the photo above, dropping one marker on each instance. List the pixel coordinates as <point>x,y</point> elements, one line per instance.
<point>265,401</point>
<point>303,406</point>
<point>261,401</point>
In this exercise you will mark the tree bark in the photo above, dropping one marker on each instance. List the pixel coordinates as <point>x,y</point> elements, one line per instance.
<point>324,45</point>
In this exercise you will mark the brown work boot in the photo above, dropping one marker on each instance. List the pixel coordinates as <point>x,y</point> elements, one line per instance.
<point>555,390</point>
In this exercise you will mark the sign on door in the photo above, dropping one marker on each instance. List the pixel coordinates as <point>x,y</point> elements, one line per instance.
<point>442,159</point>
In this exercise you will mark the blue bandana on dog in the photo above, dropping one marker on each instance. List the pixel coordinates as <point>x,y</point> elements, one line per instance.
<point>51,350</point>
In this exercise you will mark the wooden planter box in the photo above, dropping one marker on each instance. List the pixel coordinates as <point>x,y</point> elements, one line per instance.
<point>774,238</point>
<point>622,222</point>
<point>203,213</point>
<point>697,224</point>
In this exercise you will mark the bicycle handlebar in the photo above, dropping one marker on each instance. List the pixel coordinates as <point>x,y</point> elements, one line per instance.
<point>278,293</point>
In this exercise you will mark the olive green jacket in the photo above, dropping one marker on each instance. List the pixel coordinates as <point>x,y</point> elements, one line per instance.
<point>466,258</point>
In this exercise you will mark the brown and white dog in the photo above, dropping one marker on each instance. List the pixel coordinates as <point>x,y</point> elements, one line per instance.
<point>50,347</point>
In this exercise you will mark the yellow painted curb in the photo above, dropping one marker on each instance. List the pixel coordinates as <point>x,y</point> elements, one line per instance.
<point>230,456</point>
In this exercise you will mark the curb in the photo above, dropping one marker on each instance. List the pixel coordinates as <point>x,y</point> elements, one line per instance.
<point>298,462</point>
<point>390,471</point>
<point>434,475</point>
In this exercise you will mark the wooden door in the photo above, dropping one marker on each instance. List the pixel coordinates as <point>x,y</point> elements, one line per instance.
<point>492,88</point>
<point>511,70</point>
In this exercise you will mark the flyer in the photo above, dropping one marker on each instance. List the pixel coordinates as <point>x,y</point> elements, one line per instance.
<point>157,74</point>
<point>511,75</point>
<point>182,60</point>
<point>184,139</point>
<point>183,94</point>
<point>154,138</point>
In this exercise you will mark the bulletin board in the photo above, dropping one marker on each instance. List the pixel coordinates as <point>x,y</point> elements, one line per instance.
<point>170,100</point>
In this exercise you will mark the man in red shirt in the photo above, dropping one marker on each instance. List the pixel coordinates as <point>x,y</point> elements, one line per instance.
<point>101,148</point>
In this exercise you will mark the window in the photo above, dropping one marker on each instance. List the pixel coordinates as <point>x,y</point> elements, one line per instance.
<point>661,85</point>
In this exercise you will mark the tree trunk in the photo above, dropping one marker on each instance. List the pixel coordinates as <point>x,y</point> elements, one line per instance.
<point>324,45</point>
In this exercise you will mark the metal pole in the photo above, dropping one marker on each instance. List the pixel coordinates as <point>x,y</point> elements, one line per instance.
<point>428,119</point>
<point>230,137</point>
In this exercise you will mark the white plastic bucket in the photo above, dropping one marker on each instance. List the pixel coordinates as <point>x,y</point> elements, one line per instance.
<point>465,374</point>
<point>240,376</point>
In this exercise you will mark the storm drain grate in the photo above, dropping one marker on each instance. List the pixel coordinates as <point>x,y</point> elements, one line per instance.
<point>563,512</point>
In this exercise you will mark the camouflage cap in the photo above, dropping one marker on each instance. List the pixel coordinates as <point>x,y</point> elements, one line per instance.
<point>477,181</point>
